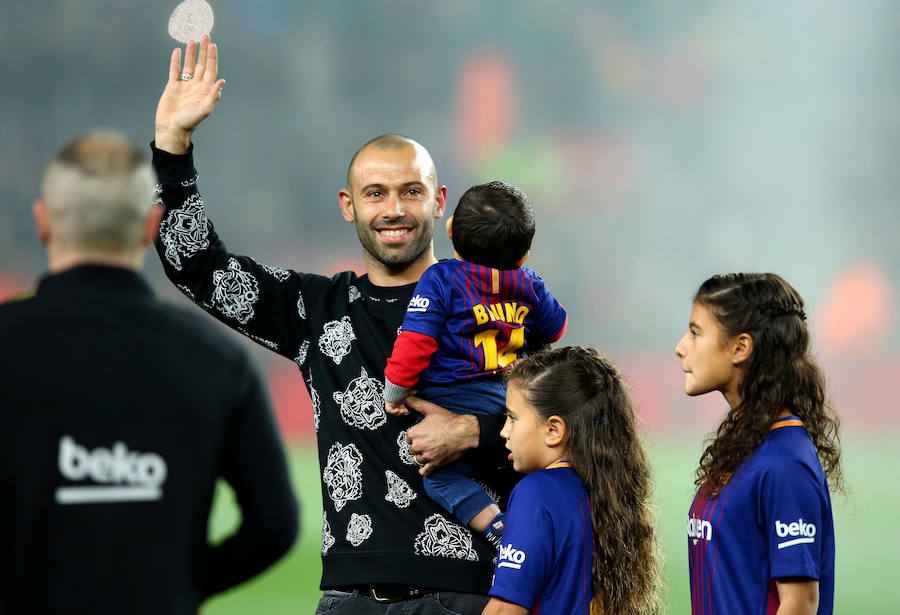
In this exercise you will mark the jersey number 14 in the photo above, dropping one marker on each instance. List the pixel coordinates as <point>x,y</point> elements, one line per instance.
<point>498,359</point>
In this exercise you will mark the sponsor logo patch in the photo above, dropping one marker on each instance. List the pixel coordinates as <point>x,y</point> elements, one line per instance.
<point>117,474</point>
<point>418,304</point>
<point>799,531</point>
<point>510,557</point>
<point>698,529</point>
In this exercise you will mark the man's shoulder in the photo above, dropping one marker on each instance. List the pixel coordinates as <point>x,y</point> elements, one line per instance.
<point>115,317</point>
<point>329,296</point>
<point>21,315</point>
<point>185,326</point>
<point>325,283</point>
<point>12,310</point>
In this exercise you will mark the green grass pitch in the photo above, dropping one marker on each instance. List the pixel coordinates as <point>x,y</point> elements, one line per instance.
<point>865,521</point>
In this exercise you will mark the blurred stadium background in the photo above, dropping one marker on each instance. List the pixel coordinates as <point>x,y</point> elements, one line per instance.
<point>660,143</point>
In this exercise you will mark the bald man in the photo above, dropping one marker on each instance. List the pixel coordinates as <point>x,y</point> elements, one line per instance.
<point>386,546</point>
<point>108,460</point>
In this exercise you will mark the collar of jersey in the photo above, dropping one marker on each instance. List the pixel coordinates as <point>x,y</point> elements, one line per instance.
<point>791,420</point>
<point>562,463</point>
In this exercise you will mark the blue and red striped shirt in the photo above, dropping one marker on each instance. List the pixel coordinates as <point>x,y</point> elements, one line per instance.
<point>466,321</point>
<point>544,563</point>
<point>772,519</point>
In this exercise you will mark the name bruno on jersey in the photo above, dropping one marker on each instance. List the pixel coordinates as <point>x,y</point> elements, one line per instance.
<point>118,475</point>
<point>507,311</point>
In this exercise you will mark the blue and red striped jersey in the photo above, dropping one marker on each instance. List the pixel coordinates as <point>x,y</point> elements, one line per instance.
<point>544,563</point>
<point>772,519</point>
<point>479,317</point>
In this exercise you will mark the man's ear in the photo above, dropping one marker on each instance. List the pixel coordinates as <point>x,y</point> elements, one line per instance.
<point>151,224</point>
<point>41,220</point>
<point>440,201</point>
<point>741,348</point>
<point>555,434</point>
<point>346,203</point>
<point>450,228</point>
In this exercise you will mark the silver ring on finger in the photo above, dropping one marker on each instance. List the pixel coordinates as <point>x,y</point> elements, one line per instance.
<point>416,460</point>
<point>186,77</point>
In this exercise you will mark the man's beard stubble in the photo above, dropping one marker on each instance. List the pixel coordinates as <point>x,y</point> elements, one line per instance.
<point>399,257</point>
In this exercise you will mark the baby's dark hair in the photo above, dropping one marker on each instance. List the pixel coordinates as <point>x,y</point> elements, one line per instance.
<point>493,225</point>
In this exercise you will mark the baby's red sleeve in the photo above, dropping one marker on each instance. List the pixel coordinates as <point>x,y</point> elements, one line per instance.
<point>412,354</point>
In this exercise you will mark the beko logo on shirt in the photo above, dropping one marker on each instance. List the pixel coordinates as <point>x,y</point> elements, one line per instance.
<point>118,475</point>
<point>510,557</point>
<point>698,528</point>
<point>805,531</point>
<point>418,304</point>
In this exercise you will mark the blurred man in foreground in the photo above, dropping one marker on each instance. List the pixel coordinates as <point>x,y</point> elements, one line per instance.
<point>109,455</point>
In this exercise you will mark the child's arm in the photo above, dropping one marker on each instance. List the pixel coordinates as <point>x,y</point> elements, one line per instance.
<point>797,596</point>
<point>418,338</point>
<point>497,606</point>
<point>412,354</point>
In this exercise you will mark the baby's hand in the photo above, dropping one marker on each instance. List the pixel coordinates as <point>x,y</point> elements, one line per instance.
<point>395,408</point>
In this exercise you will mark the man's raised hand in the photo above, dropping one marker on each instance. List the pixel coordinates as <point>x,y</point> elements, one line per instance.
<point>188,101</point>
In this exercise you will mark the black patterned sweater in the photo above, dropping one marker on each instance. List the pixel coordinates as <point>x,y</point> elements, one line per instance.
<point>379,525</point>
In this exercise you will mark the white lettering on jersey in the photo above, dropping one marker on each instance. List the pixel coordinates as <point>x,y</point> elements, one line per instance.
<point>418,304</point>
<point>510,557</point>
<point>805,531</point>
<point>698,528</point>
<point>119,475</point>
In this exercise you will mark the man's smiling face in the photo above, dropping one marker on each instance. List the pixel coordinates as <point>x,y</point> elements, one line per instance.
<point>394,203</point>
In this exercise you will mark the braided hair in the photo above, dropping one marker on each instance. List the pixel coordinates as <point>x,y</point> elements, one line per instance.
<point>780,374</point>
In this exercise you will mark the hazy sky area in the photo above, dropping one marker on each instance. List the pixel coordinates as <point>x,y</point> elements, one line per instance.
<point>660,143</point>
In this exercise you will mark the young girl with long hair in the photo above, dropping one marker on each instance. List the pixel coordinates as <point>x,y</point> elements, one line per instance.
<point>760,532</point>
<point>579,527</point>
